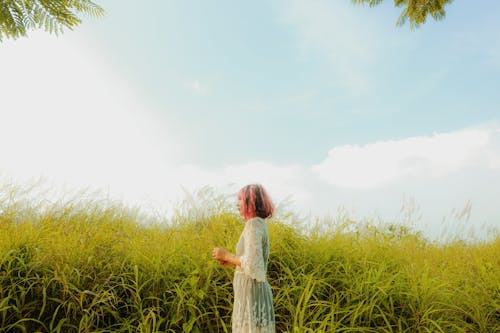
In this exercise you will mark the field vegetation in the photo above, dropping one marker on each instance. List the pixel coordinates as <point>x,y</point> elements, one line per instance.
<point>96,266</point>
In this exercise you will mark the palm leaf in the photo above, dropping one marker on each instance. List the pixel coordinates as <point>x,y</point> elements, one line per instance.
<point>17,17</point>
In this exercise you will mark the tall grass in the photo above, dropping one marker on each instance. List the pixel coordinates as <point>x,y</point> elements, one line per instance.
<point>95,266</point>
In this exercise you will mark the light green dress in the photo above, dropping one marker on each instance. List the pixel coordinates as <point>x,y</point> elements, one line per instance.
<point>253,310</point>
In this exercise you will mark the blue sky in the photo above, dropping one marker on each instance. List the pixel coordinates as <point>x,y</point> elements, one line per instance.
<point>324,101</point>
<point>338,73</point>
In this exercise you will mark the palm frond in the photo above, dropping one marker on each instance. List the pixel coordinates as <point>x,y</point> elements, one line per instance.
<point>17,17</point>
<point>415,12</point>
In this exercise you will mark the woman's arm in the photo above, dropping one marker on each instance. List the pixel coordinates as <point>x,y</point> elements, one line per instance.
<point>226,258</point>
<point>225,263</point>
<point>252,261</point>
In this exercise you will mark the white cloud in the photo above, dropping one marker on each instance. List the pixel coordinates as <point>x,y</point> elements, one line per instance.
<point>197,87</point>
<point>423,181</point>
<point>441,175</point>
<point>382,163</point>
<point>66,116</point>
<point>280,181</point>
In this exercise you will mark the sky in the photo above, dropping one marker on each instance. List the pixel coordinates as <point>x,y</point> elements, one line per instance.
<point>329,105</point>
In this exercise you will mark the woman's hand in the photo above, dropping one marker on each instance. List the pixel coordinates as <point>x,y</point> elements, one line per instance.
<point>219,254</point>
<point>225,258</point>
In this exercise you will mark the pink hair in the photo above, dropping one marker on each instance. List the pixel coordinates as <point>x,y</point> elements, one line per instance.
<point>255,202</point>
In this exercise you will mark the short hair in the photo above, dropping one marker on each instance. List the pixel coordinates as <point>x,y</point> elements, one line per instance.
<point>255,202</point>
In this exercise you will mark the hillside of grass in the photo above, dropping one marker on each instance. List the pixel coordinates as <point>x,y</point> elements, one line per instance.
<point>97,266</point>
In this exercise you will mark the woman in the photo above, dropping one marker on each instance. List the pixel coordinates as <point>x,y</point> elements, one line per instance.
<point>253,310</point>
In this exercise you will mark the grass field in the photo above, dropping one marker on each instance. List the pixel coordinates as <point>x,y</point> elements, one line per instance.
<point>96,266</point>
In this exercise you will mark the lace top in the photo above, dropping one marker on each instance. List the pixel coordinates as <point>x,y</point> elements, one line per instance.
<point>253,249</point>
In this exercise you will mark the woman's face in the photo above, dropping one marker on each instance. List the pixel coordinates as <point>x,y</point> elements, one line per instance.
<point>240,206</point>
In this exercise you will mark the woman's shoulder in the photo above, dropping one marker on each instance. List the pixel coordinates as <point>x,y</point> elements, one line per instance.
<point>256,222</point>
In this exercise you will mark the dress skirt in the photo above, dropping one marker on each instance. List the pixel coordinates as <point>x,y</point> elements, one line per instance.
<point>253,310</point>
